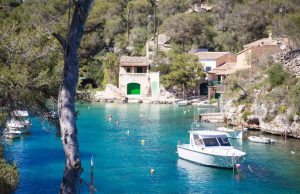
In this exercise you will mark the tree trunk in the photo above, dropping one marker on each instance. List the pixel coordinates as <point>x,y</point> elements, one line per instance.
<point>66,100</point>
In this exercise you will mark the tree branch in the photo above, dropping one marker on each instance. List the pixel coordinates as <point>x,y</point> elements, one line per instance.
<point>60,39</point>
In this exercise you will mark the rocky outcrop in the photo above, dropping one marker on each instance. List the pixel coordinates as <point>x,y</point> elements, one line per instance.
<point>259,119</point>
<point>110,94</point>
<point>290,60</point>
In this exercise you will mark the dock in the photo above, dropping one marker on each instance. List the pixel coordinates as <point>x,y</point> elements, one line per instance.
<point>212,117</point>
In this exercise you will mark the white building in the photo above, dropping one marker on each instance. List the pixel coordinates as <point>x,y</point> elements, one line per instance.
<point>210,61</point>
<point>135,80</point>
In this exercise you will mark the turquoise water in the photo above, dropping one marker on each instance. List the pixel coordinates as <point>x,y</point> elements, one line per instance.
<point>122,163</point>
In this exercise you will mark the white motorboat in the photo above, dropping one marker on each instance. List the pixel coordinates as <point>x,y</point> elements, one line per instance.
<point>257,139</point>
<point>211,148</point>
<point>233,133</point>
<point>19,122</point>
<point>21,126</point>
<point>12,134</point>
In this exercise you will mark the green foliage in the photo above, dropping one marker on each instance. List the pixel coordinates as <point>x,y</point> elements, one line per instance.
<point>168,8</point>
<point>282,109</point>
<point>183,28</point>
<point>185,70</point>
<point>213,100</point>
<point>245,115</point>
<point>3,116</point>
<point>295,97</point>
<point>9,177</point>
<point>276,75</point>
<point>288,25</point>
<point>111,69</point>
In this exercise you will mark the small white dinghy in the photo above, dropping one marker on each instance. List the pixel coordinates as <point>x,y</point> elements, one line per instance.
<point>257,139</point>
<point>210,148</point>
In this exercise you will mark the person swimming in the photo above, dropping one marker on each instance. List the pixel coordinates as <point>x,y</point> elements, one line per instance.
<point>110,118</point>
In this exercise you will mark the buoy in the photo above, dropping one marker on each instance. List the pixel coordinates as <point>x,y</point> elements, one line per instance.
<point>117,122</point>
<point>142,142</point>
<point>188,110</point>
<point>184,112</point>
<point>128,132</point>
<point>152,171</point>
<point>292,152</point>
<point>141,115</point>
<point>237,166</point>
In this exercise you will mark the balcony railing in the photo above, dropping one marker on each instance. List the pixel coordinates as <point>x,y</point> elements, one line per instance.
<point>214,83</point>
<point>134,74</point>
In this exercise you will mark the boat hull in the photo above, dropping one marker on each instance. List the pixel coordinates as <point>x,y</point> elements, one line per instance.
<point>263,140</point>
<point>10,135</point>
<point>207,159</point>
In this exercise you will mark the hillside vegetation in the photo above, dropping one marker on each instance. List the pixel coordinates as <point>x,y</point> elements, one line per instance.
<point>123,27</point>
<point>270,96</point>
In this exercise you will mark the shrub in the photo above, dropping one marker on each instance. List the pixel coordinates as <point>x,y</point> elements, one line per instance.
<point>9,177</point>
<point>282,109</point>
<point>295,96</point>
<point>276,75</point>
<point>213,100</point>
<point>245,115</point>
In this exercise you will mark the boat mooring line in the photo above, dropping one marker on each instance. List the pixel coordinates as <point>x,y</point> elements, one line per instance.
<point>250,169</point>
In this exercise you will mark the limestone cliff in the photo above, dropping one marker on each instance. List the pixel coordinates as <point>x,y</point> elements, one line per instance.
<point>269,107</point>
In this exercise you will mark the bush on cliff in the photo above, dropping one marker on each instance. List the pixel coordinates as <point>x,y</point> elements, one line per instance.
<point>276,75</point>
<point>295,96</point>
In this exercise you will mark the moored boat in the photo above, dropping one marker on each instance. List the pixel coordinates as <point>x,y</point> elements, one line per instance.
<point>211,148</point>
<point>264,140</point>
<point>12,134</point>
<point>18,125</point>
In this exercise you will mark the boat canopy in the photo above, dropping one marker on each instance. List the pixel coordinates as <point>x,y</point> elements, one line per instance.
<point>208,134</point>
<point>20,113</point>
<point>209,138</point>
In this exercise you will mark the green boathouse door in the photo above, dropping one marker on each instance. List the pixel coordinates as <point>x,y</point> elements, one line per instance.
<point>133,88</point>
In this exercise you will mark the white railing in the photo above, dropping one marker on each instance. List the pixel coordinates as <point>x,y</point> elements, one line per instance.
<point>134,74</point>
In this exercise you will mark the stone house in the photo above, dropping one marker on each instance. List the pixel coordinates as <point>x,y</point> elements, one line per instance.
<point>259,50</point>
<point>135,80</point>
<point>247,59</point>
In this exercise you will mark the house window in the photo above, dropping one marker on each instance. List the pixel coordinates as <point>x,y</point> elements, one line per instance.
<point>128,69</point>
<point>207,69</point>
<point>139,70</point>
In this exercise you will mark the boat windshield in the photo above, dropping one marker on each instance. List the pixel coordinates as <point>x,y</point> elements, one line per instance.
<point>211,142</point>
<point>219,141</point>
<point>224,141</point>
<point>197,140</point>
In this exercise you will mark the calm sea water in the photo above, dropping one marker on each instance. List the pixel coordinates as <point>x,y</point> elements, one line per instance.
<point>122,163</point>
